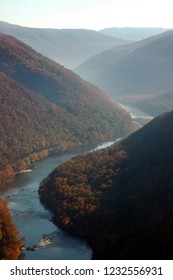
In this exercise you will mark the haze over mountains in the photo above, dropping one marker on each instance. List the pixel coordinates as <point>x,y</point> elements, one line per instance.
<point>46,107</point>
<point>69,47</point>
<point>152,105</point>
<point>133,33</point>
<point>139,69</point>
<point>120,198</point>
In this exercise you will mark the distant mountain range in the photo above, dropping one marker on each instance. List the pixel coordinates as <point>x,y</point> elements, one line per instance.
<point>69,47</point>
<point>133,33</point>
<point>120,199</point>
<point>45,107</point>
<point>140,69</point>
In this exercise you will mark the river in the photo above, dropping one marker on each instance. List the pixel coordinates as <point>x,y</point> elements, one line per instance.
<point>34,221</point>
<point>136,113</point>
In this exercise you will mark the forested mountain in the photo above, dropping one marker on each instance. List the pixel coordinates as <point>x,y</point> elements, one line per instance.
<point>10,244</point>
<point>133,33</point>
<point>139,69</point>
<point>45,107</point>
<point>120,199</point>
<point>69,47</point>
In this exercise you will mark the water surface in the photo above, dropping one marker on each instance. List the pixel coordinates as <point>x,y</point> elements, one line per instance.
<point>34,221</point>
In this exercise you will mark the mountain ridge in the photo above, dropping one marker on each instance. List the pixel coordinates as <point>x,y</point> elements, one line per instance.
<point>133,33</point>
<point>69,47</point>
<point>141,68</point>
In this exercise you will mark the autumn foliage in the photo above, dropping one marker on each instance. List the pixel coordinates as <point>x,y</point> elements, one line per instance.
<point>46,108</point>
<point>10,243</point>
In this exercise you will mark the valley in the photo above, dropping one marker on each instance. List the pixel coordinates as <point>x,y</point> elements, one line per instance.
<point>61,111</point>
<point>34,221</point>
<point>85,155</point>
<point>33,216</point>
<point>138,74</point>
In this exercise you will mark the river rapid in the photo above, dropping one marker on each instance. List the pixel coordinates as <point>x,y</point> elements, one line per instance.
<point>34,221</point>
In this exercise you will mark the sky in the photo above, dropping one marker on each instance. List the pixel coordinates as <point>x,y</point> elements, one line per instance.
<point>88,14</point>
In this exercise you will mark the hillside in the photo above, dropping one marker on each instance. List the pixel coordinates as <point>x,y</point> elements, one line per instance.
<point>133,33</point>
<point>10,244</point>
<point>142,68</point>
<point>69,47</point>
<point>120,199</point>
<point>45,108</point>
<point>30,127</point>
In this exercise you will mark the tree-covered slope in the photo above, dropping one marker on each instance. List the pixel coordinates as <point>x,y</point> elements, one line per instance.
<point>30,127</point>
<point>10,243</point>
<point>52,81</point>
<point>45,107</point>
<point>120,198</point>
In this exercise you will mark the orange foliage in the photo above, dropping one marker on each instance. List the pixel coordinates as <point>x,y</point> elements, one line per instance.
<point>10,244</point>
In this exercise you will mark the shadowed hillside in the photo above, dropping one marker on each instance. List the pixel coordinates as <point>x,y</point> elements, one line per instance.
<point>120,198</point>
